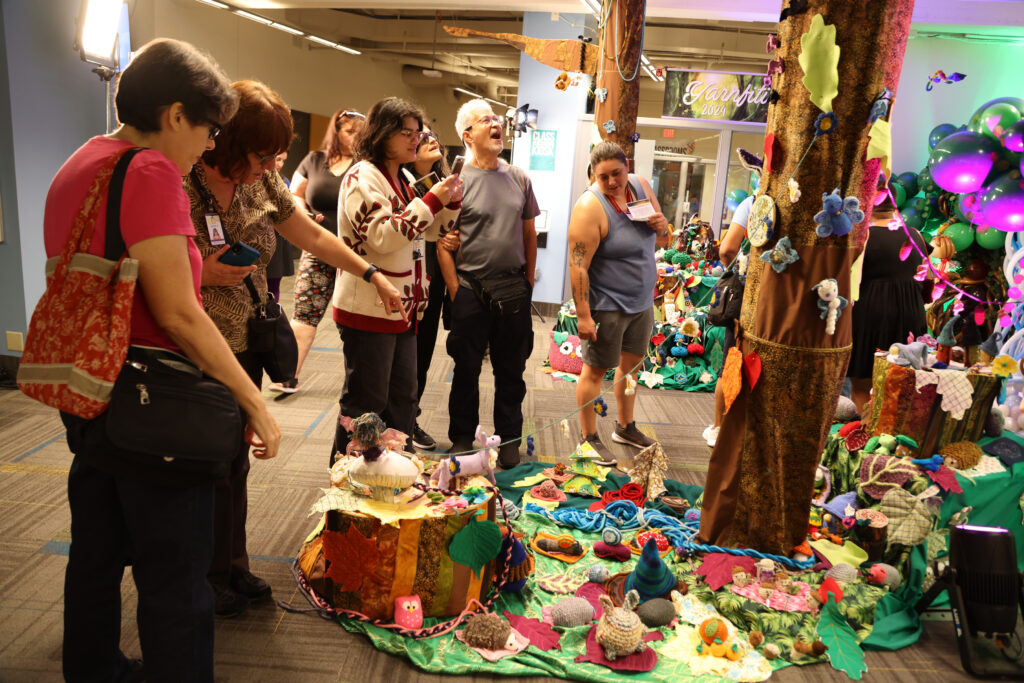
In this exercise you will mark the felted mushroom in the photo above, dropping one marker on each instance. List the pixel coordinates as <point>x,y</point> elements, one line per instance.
<point>384,471</point>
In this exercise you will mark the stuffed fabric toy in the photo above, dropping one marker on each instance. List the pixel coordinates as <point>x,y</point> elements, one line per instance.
<point>838,215</point>
<point>913,355</point>
<point>830,303</point>
<point>565,353</point>
<point>409,611</point>
<point>481,462</point>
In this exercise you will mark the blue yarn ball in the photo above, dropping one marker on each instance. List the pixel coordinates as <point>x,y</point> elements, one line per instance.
<point>692,515</point>
<point>611,536</point>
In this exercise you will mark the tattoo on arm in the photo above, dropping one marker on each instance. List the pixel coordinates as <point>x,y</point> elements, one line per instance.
<point>579,251</point>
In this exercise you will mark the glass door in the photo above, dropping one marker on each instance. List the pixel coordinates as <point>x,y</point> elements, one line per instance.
<point>685,167</point>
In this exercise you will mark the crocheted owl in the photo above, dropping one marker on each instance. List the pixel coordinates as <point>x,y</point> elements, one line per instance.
<point>409,611</point>
<point>566,353</point>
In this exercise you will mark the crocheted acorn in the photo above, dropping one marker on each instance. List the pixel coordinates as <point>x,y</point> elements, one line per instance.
<point>656,612</point>
<point>611,536</point>
<point>651,578</point>
<point>570,612</point>
<point>617,552</point>
<point>961,455</point>
<point>488,632</point>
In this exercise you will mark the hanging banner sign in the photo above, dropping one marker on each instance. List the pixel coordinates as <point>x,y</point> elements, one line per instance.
<point>542,150</point>
<point>715,96</point>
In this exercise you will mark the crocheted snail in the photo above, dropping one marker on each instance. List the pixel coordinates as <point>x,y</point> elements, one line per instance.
<point>620,631</point>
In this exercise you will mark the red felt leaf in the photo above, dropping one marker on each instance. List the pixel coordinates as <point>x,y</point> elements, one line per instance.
<point>350,556</point>
<point>769,149</point>
<point>592,592</point>
<point>717,568</point>
<point>946,479</point>
<point>540,635</point>
<point>857,439</point>
<point>637,661</point>
<point>752,368</point>
<point>830,585</point>
<point>845,430</point>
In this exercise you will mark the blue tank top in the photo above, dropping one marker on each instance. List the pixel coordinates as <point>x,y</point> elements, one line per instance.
<point>622,272</point>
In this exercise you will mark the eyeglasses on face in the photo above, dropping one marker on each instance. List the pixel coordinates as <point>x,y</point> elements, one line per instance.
<point>430,135</point>
<point>214,129</point>
<point>266,158</point>
<point>486,120</point>
<point>411,134</point>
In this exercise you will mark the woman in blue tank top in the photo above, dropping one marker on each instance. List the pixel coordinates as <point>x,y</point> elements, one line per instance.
<point>613,275</point>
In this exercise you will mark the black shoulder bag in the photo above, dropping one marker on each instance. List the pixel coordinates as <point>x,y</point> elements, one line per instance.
<point>270,334</point>
<point>166,415</point>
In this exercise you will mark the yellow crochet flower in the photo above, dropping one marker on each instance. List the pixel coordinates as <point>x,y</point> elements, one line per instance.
<point>690,328</point>
<point>1004,366</point>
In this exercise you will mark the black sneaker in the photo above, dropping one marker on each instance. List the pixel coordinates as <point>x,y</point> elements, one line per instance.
<point>462,447</point>
<point>226,602</point>
<point>606,459</point>
<point>287,387</point>
<point>422,440</point>
<point>631,436</point>
<point>251,586</point>
<point>508,455</point>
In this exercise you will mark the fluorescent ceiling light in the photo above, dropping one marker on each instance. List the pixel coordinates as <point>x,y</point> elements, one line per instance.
<point>253,17</point>
<point>287,29</point>
<point>320,41</point>
<point>480,97</point>
<point>99,30</point>
<point>592,5</point>
<point>467,92</point>
<point>351,51</point>
<point>214,3</point>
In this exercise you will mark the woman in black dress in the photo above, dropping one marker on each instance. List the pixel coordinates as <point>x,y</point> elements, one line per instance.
<point>891,303</point>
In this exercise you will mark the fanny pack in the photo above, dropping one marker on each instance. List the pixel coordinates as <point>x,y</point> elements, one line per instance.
<point>167,415</point>
<point>505,295</point>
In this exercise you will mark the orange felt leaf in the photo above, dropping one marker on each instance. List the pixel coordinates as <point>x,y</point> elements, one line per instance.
<point>351,557</point>
<point>732,377</point>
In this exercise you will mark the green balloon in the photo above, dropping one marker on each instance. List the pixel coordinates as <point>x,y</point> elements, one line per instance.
<point>994,117</point>
<point>912,217</point>
<point>933,224</point>
<point>909,182</point>
<point>899,194</point>
<point>926,205</point>
<point>925,182</point>
<point>961,234</point>
<point>990,238</point>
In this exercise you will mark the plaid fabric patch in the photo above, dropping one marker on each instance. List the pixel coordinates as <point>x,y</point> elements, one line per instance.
<point>910,519</point>
<point>957,392</point>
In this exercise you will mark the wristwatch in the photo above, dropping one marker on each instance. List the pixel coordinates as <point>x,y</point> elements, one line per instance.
<point>370,271</point>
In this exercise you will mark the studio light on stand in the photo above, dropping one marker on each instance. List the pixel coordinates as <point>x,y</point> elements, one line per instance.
<point>521,119</point>
<point>986,597</point>
<point>96,40</point>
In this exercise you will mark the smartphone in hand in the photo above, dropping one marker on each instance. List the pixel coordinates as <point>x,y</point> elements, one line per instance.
<point>459,163</point>
<point>239,254</point>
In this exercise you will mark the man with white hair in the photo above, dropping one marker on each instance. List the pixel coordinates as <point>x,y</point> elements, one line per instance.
<point>490,282</point>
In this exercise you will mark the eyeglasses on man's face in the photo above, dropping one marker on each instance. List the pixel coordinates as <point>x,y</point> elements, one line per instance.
<point>486,120</point>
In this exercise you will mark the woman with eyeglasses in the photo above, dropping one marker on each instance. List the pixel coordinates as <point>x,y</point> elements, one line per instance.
<point>430,158</point>
<point>234,190</point>
<point>381,217</point>
<point>316,185</point>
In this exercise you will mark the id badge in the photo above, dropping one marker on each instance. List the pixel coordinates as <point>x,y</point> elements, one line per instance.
<point>215,230</point>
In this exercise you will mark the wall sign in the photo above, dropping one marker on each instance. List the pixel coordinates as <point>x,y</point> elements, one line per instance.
<point>715,96</point>
<point>542,150</point>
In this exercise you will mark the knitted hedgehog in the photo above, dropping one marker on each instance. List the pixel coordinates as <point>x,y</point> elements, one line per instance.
<point>488,632</point>
<point>961,455</point>
<point>569,612</point>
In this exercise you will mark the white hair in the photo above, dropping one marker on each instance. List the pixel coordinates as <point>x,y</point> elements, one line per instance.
<point>469,113</point>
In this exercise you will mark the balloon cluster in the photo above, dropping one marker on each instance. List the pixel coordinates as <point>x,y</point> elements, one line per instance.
<point>974,175</point>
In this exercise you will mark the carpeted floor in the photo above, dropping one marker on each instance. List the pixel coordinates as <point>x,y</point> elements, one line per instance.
<point>266,643</point>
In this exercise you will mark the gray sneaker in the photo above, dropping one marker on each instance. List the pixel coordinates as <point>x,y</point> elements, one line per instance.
<point>631,436</point>
<point>606,459</point>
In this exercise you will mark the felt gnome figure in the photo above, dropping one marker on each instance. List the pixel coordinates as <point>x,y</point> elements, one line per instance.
<point>651,578</point>
<point>946,341</point>
<point>989,349</point>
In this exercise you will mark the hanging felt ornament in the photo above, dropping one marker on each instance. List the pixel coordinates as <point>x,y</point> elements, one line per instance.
<point>819,58</point>
<point>825,123</point>
<point>781,255</point>
<point>770,145</point>
<point>529,446</point>
<point>634,138</point>
<point>609,126</point>
<point>773,43</point>
<point>838,215</point>
<point>761,222</point>
<point>601,94</point>
<point>562,82</point>
<point>795,7</point>
<point>732,377</point>
<point>880,107</point>
<point>752,368</point>
<point>794,190</point>
<point>830,303</point>
<point>630,385</point>
<point>600,407</point>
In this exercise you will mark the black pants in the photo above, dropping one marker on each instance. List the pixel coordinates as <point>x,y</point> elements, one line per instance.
<point>231,500</point>
<point>380,377</point>
<point>474,327</point>
<point>166,534</point>
<point>426,335</point>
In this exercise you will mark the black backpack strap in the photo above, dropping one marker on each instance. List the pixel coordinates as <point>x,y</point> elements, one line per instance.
<point>114,246</point>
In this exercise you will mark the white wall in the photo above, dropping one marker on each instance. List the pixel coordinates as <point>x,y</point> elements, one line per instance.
<point>993,70</point>
<point>308,77</point>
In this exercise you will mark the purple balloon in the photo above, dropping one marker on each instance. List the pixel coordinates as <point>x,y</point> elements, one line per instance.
<point>1013,138</point>
<point>1003,203</point>
<point>961,161</point>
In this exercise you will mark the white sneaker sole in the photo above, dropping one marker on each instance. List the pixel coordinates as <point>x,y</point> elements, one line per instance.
<point>623,440</point>
<point>282,389</point>
<point>424,447</point>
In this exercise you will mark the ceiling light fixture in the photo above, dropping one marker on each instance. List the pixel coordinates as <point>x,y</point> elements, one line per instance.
<point>253,17</point>
<point>291,30</point>
<point>287,29</point>
<point>213,3</point>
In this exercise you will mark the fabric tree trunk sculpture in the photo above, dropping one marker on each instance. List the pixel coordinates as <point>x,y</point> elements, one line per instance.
<point>761,478</point>
<point>619,73</point>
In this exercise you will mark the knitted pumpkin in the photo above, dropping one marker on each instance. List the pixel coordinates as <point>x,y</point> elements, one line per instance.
<point>713,629</point>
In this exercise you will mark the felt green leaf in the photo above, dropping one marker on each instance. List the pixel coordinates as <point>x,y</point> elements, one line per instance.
<point>561,337</point>
<point>475,544</point>
<point>906,441</point>
<point>819,58</point>
<point>843,651</point>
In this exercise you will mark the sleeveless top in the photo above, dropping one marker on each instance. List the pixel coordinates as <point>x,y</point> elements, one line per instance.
<point>622,272</point>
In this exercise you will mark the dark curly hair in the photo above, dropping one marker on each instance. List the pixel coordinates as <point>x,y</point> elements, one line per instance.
<point>386,118</point>
<point>263,126</point>
<point>166,71</point>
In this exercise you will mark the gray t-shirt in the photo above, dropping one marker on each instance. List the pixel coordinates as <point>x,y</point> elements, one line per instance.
<point>494,206</point>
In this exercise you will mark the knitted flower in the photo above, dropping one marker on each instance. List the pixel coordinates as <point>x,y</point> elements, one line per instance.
<point>825,123</point>
<point>658,339</point>
<point>635,137</point>
<point>773,43</point>
<point>781,255</point>
<point>690,328</point>
<point>794,190</point>
<point>529,446</point>
<point>600,407</point>
<point>601,94</point>
<point>1004,366</point>
<point>609,126</point>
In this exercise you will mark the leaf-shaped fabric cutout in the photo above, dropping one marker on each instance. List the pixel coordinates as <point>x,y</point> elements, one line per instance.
<point>541,636</point>
<point>351,557</point>
<point>843,652</point>
<point>732,377</point>
<point>910,519</point>
<point>946,479</point>
<point>475,544</point>
<point>880,145</point>
<point>717,568</point>
<point>819,58</point>
<point>560,584</point>
<point>752,368</point>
